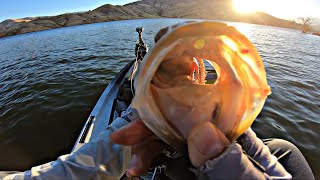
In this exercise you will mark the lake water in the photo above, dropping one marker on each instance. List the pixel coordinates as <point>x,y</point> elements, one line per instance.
<point>50,81</point>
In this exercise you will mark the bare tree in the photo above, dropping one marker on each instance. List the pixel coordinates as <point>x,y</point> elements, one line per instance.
<point>305,23</point>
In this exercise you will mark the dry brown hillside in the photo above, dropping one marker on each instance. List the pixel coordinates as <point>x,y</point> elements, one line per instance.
<point>203,9</point>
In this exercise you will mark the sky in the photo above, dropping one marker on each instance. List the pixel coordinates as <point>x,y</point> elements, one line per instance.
<point>13,9</point>
<point>285,9</point>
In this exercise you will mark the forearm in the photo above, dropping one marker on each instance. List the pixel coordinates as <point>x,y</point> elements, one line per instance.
<point>232,164</point>
<point>256,149</point>
<point>252,160</point>
<point>99,157</point>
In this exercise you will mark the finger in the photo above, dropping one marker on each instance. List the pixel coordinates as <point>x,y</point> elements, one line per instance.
<point>205,142</point>
<point>143,157</point>
<point>133,133</point>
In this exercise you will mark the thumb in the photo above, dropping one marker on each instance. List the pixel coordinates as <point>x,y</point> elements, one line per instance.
<point>134,133</point>
<point>205,141</point>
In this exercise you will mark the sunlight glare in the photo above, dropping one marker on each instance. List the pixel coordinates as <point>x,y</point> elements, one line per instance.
<point>246,6</point>
<point>243,28</point>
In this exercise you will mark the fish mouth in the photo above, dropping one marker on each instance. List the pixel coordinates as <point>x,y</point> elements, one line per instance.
<point>173,87</point>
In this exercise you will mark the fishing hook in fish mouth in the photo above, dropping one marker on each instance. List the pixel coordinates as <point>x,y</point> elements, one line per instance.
<point>173,91</point>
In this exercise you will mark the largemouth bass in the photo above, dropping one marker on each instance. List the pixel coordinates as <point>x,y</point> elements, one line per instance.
<point>171,93</point>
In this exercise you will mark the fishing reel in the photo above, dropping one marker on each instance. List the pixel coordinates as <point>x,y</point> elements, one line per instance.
<point>139,29</point>
<point>141,48</point>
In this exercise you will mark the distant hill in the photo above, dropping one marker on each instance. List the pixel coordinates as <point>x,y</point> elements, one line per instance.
<point>202,9</point>
<point>316,27</point>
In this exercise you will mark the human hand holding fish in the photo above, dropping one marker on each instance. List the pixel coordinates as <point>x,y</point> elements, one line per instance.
<point>209,151</point>
<point>205,142</point>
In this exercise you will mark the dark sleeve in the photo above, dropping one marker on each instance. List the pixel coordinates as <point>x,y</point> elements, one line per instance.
<point>250,160</point>
<point>260,153</point>
<point>232,164</point>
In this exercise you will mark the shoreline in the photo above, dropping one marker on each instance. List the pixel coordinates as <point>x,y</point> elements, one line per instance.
<point>142,10</point>
<point>113,20</point>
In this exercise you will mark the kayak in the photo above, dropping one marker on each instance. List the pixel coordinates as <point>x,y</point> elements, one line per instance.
<point>108,107</point>
<point>114,99</point>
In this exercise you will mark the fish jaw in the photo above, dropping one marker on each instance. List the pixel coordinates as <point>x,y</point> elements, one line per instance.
<point>170,102</point>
